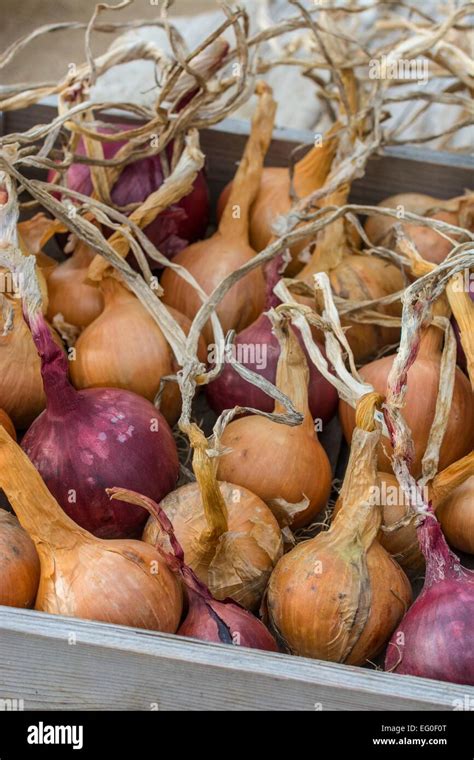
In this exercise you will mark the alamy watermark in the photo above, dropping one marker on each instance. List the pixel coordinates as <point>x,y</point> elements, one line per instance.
<point>412,69</point>
<point>11,284</point>
<point>244,353</point>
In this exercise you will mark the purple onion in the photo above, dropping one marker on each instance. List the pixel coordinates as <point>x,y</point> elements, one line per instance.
<point>435,638</point>
<point>86,441</point>
<point>229,389</point>
<point>174,228</point>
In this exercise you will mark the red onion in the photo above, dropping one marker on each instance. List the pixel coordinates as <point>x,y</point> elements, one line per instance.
<point>88,440</point>
<point>258,349</point>
<point>435,639</point>
<point>174,228</point>
<point>207,619</point>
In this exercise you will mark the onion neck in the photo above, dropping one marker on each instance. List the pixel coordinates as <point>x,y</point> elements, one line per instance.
<point>37,510</point>
<point>360,516</point>
<point>81,256</point>
<point>115,293</point>
<point>332,246</point>
<point>234,222</point>
<point>312,170</point>
<point>441,563</point>
<point>292,376</point>
<point>463,311</point>
<point>431,342</point>
<point>61,397</point>
<point>446,482</point>
<point>215,509</point>
<point>272,276</point>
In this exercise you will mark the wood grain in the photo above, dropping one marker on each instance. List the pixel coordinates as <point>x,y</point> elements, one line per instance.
<point>117,668</point>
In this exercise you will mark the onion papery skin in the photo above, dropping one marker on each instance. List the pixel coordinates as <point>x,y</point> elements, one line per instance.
<point>402,543</point>
<point>461,356</point>
<point>22,394</point>
<point>305,588</point>
<point>174,228</point>
<point>434,639</point>
<point>224,623</point>
<point>7,424</point>
<point>277,462</point>
<point>149,596</point>
<point>363,278</point>
<point>456,515</point>
<point>105,437</point>
<point>245,555</point>
<point>19,564</point>
<point>419,410</point>
<point>229,389</point>
<point>211,261</point>
<point>430,244</point>
<point>125,348</point>
<point>68,292</point>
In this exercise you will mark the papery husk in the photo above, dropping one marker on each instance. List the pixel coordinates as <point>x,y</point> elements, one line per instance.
<point>340,595</point>
<point>19,563</point>
<point>21,387</point>
<point>7,424</point>
<point>229,536</point>
<point>284,465</point>
<point>211,260</point>
<point>124,582</point>
<point>70,294</point>
<point>124,348</point>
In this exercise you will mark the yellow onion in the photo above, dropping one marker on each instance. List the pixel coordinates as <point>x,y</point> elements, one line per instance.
<point>121,581</point>
<point>211,261</point>
<point>454,503</point>
<point>19,564</point>
<point>229,536</point>
<point>420,405</point>
<point>430,244</point>
<point>22,395</point>
<point>274,195</point>
<point>355,277</point>
<point>124,348</point>
<point>285,465</point>
<point>340,595</point>
<point>69,293</point>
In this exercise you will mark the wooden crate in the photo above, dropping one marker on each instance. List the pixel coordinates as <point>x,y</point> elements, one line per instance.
<point>57,663</point>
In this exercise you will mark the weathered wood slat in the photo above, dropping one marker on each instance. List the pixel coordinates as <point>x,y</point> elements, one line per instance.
<point>119,668</point>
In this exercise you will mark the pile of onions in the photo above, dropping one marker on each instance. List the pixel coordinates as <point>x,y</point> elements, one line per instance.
<point>434,639</point>
<point>207,618</point>
<point>258,349</point>
<point>340,595</point>
<point>183,222</point>
<point>211,261</point>
<point>229,536</point>
<point>86,441</point>
<point>124,581</point>
<point>19,563</point>
<point>274,195</point>
<point>68,292</point>
<point>7,424</point>
<point>125,348</point>
<point>22,394</point>
<point>284,465</point>
<point>420,404</point>
<point>430,244</point>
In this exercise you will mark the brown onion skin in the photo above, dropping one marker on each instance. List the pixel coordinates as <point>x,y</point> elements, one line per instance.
<point>361,278</point>
<point>456,515</point>
<point>301,602</point>
<point>7,424</point>
<point>22,394</point>
<point>184,509</point>
<point>70,294</point>
<point>211,261</point>
<point>419,409</point>
<point>402,543</point>
<point>277,461</point>
<point>124,348</point>
<point>19,564</point>
<point>229,389</point>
